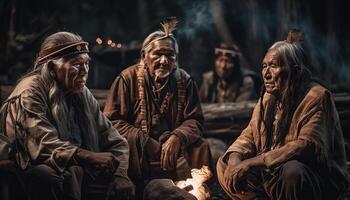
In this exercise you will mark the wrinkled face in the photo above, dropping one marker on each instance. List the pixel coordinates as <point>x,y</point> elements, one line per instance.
<point>224,66</point>
<point>273,74</point>
<point>161,58</point>
<point>72,72</point>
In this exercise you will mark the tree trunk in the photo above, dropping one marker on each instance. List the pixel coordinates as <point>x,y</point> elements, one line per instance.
<point>219,21</point>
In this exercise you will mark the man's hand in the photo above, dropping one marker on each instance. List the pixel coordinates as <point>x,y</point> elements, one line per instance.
<point>238,173</point>
<point>121,188</point>
<point>101,160</point>
<point>237,170</point>
<point>230,176</point>
<point>170,152</point>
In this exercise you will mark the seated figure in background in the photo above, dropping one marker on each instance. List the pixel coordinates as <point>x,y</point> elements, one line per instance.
<point>229,82</point>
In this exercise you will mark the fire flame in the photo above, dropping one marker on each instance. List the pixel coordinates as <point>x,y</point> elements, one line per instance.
<point>196,185</point>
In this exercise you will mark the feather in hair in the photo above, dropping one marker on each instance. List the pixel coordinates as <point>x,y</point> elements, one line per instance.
<point>295,36</point>
<point>169,25</point>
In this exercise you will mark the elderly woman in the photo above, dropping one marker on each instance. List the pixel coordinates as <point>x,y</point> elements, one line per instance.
<point>293,147</point>
<point>67,148</point>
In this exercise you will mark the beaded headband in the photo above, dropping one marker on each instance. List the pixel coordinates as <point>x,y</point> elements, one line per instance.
<point>60,51</point>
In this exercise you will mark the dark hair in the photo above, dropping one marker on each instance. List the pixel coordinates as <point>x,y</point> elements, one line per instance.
<point>230,50</point>
<point>235,59</point>
<point>291,57</point>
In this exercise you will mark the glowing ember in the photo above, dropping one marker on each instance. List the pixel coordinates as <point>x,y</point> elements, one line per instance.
<point>196,185</point>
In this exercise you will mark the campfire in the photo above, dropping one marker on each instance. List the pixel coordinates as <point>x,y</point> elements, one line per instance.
<point>196,185</point>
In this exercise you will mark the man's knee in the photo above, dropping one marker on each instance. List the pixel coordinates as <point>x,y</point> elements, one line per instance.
<point>220,169</point>
<point>292,172</point>
<point>75,171</point>
<point>200,146</point>
<point>43,174</point>
<point>297,181</point>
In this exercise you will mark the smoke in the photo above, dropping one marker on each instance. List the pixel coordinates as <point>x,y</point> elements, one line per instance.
<point>265,25</point>
<point>197,18</point>
<point>195,36</point>
<point>326,55</point>
<point>255,26</point>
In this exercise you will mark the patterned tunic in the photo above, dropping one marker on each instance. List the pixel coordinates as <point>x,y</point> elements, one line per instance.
<point>135,110</point>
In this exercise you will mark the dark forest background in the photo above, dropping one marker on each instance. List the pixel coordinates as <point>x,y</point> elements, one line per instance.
<point>253,25</point>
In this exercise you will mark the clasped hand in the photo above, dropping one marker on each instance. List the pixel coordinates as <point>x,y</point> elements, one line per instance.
<point>235,173</point>
<point>100,160</point>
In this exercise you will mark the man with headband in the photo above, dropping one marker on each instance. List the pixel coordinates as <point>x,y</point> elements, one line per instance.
<point>56,132</point>
<point>230,82</point>
<point>155,105</point>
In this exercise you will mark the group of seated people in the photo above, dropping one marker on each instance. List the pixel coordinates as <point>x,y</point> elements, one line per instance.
<point>55,138</point>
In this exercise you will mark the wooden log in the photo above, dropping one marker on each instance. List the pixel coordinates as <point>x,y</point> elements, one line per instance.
<point>342,100</point>
<point>228,110</point>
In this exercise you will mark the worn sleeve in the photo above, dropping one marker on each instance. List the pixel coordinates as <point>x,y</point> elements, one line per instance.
<point>191,128</point>
<point>118,109</point>
<point>42,141</point>
<point>314,132</point>
<point>110,139</point>
<point>244,144</point>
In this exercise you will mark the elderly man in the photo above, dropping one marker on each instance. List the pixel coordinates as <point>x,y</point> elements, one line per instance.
<point>67,148</point>
<point>230,82</point>
<point>293,147</point>
<point>154,105</point>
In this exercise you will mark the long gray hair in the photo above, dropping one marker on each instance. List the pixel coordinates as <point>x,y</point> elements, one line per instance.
<point>291,57</point>
<point>59,104</point>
